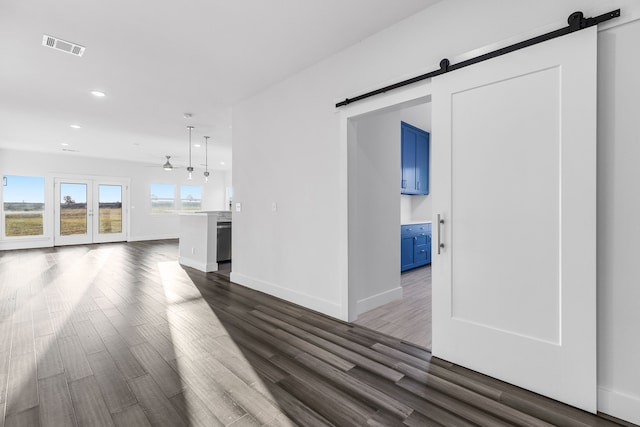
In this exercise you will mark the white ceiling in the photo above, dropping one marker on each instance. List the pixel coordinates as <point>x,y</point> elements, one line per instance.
<point>158,59</point>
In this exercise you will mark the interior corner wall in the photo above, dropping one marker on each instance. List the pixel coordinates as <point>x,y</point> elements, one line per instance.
<point>374,212</point>
<point>287,149</point>
<point>143,225</point>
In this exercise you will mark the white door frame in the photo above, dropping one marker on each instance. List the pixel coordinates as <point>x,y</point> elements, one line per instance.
<point>415,94</point>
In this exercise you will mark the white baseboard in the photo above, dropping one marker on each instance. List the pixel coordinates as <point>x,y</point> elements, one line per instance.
<point>145,238</point>
<point>309,301</point>
<point>11,244</point>
<point>619,405</point>
<point>377,300</point>
<point>198,265</point>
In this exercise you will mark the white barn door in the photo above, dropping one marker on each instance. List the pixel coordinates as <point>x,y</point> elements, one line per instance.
<point>514,180</point>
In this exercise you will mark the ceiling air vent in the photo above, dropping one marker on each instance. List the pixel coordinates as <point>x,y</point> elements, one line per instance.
<point>65,46</point>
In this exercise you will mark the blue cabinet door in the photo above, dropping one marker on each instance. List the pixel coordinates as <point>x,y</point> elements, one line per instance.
<point>408,178</point>
<point>422,163</point>
<point>406,253</point>
<point>415,160</point>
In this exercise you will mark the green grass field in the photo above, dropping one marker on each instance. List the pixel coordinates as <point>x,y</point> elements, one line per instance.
<point>110,220</point>
<point>24,224</point>
<point>72,221</point>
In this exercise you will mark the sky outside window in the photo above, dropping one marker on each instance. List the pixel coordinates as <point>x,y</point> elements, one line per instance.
<point>110,193</point>
<point>78,192</point>
<point>27,189</point>
<point>162,191</point>
<point>195,191</point>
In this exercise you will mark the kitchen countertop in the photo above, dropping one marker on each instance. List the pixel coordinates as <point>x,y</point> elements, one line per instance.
<point>415,222</point>
<point>222,215</point>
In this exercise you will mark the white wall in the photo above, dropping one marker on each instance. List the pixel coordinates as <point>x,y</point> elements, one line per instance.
<point>618,227</point>
<point>374,212</point>
<point>143,224</point>
<point>287,148</point>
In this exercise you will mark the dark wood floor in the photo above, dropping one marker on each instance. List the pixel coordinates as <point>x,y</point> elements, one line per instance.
<point>121,334</point>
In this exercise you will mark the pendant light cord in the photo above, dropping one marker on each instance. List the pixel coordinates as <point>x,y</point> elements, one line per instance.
<point>190,129</point>
<point>206,154</point>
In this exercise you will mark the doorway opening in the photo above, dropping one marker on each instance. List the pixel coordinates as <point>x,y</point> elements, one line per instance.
<point>382,297</point>
<point>90,210</point>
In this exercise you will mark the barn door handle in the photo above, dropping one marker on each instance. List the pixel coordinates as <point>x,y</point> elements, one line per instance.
<point>440,223</point>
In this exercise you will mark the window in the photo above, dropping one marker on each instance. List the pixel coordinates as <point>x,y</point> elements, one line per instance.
<point>23,205</point>
<point>162,198</point>
<point>191,197</point>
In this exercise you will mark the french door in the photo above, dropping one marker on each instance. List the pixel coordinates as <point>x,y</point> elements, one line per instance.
<point>514,149</point>
<point>89,211</point>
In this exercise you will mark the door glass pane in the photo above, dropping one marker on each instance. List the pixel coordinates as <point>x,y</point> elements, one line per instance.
<point>73,209</point>
<point>110,208</point>
<point>23,203</point>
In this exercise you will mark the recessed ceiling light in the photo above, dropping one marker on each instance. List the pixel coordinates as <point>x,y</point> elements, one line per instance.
<point>75,126</point>
<point>196,145</point>
<point>98,94</point>
<point>64,144</point>
<point>222,163</point>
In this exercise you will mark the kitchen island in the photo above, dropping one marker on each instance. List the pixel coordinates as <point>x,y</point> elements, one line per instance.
<point>198,241</point>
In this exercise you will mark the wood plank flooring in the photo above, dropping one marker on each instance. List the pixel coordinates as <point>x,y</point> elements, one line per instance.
<point>408,318</point>
<point>122,335</point>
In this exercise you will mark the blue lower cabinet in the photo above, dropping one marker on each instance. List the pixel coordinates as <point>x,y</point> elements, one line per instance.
<point>407,258</point>
<point>415,246</point>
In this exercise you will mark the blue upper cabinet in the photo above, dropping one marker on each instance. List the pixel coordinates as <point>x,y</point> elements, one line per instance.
<point>415,160</point>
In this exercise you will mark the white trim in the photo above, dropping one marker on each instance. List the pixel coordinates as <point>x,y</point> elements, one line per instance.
<point>377,300</point>
<point>309,301</point>
<point>619,405</point>
<point>33,243</point>
<point>156,237</point>
<point>198,265</point>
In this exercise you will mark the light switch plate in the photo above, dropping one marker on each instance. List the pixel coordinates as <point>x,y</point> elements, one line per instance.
<point>238,207</point>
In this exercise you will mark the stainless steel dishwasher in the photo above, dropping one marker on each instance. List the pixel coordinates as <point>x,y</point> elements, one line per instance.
<point>224,241</point>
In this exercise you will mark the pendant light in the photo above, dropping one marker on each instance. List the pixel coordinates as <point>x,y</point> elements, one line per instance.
<point>190,168</point>
<point>206,159</point>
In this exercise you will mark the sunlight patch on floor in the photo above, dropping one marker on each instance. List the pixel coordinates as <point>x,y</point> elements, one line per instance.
<point>210,359</point>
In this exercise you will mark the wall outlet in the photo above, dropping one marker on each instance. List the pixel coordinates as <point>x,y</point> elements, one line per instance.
<point>274,207</point>
<point>238,207</point>
<point>193,251</point>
